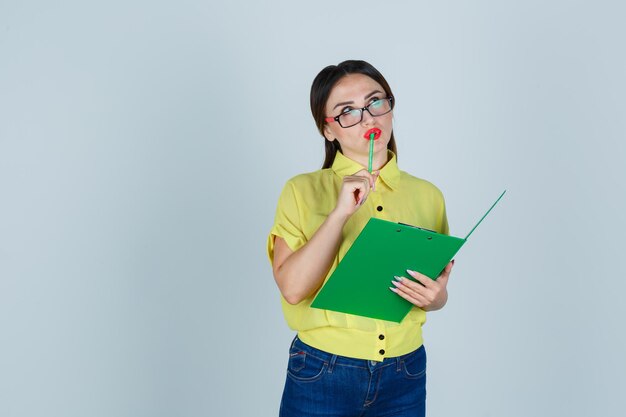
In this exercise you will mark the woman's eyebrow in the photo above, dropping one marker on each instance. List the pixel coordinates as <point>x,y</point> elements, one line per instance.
<point>372,93</point>
<point>352,102</point>
<point>343,104</point>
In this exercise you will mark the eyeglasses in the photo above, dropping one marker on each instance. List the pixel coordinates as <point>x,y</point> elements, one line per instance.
<point>351,117</point>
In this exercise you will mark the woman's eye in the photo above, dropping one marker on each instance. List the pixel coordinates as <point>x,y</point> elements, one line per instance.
<point>350,112</point>
<point>376,103</point>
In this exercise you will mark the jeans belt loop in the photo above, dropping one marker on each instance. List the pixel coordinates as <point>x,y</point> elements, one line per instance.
<point>331,363</point>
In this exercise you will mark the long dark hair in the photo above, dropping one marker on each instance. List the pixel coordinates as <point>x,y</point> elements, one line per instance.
<point>323,85</point>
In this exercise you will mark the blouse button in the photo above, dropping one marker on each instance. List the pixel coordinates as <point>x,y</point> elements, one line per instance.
<point>382,351</point>
<point>381,336</point>
<point>379,208</point>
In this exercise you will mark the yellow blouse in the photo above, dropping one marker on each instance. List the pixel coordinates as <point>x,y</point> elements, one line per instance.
<point>304,204</point>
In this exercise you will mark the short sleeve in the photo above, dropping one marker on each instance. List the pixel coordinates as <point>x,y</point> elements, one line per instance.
<point>287,223</point>
<point>443,219</point>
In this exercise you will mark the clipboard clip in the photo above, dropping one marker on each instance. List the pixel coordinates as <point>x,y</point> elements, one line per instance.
<point>417,227</point>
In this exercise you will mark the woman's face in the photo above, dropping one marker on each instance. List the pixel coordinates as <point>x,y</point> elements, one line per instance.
<point>355,91</point>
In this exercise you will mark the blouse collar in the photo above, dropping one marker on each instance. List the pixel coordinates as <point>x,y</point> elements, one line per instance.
<point>390,173</point>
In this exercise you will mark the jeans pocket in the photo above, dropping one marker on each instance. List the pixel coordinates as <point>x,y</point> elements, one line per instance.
<point>303,367</point>
<point>414,366</point>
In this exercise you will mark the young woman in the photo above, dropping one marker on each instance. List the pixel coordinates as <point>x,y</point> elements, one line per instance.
<point>342,364</point>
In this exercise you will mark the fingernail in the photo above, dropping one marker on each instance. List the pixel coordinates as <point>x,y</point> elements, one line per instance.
<point>396,283</point>
<point>393,289</point>
<point>412,273</point>
<point>398,278</point>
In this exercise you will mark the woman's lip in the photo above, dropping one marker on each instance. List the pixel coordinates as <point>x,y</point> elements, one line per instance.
<point>375,131</point>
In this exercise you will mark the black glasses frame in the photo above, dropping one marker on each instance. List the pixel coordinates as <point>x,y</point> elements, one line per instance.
<point>362,109</point>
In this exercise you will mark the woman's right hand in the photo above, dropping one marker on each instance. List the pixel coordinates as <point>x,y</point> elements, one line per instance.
<point>354,191</point>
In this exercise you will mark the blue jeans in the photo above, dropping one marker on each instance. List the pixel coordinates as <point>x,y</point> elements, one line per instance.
<point>322,384</point>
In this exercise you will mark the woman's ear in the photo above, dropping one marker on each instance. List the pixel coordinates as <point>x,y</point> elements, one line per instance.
<point>328,134</point>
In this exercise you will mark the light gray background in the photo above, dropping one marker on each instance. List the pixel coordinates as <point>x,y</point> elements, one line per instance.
<point>143,146</point>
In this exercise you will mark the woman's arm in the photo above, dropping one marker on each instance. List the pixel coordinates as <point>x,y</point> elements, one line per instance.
<point>301,273</point>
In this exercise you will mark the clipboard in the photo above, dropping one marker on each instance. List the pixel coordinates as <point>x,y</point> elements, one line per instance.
<point>360,283</point>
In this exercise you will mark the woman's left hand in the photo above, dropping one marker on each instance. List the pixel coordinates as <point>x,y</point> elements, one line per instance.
<point>426,294</point>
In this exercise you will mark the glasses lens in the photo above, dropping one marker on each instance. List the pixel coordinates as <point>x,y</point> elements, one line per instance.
<point>350,118</point>
<point>380,107</point>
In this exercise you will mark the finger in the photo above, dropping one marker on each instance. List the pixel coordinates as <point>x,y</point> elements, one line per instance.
<point>359,186</point>
<point>413,288</point>
<point>414,299</point>
<point>370,177</point>
<point>364,189</point>
<point>374,178</point>
<point>445,274</point>
<point>361,189</point>
<point>421,278</point>
<point>357,179</point>
<point>443,280</point>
